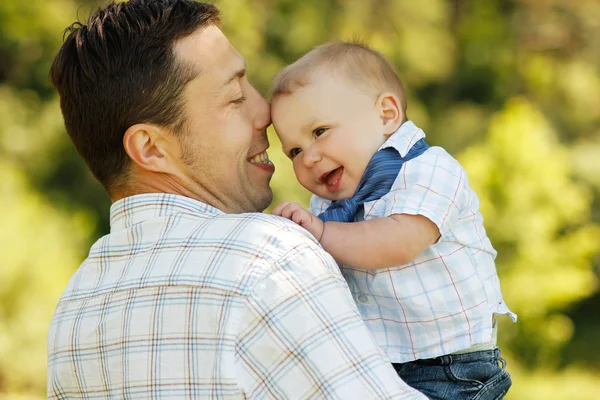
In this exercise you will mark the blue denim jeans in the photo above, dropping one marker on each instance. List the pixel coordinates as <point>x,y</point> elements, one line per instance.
<point>474,376</point>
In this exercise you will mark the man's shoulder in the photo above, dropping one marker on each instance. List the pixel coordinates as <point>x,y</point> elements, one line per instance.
<point>188,249</point>
<point>266,225</point>
<point>291,257</point>
<point>282,251</point>
<point>279,236</point>
<point>275,235</point>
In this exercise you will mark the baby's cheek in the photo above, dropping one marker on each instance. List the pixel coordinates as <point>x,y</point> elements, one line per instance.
<point>304,178</point>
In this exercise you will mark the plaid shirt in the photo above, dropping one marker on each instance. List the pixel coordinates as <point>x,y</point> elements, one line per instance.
<point>181,300</point>
<point>443,300</point>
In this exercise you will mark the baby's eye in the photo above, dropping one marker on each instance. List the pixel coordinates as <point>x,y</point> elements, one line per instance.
<point>294,152</point>
<point>319,131</point>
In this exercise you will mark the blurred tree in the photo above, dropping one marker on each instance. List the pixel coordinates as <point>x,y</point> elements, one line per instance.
<point>537,219</point>
<point>31,128</point>
<point>39,249</point>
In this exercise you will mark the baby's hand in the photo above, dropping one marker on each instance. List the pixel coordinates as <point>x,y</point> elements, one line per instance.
<point>299,215</point>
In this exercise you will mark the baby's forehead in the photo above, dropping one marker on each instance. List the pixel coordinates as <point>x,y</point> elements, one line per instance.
<point>290,117</point>
<point>314,81</point>
<point>295,82</point>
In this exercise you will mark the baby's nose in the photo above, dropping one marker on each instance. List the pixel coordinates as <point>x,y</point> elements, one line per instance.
<point>310,157</point>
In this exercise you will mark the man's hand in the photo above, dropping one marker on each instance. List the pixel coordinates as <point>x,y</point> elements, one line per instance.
<point>299,215</point>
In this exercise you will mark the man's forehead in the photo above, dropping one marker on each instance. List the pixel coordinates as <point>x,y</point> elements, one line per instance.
<point>211,52</point>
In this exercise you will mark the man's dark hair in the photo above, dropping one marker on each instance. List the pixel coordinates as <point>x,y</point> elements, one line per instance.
<point>120,69</point>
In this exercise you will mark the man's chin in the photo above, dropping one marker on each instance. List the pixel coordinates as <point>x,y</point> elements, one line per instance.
<point>258,200</point>
<point>265,201</point>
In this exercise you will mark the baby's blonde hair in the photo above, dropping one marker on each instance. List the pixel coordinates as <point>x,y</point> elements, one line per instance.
<point>356,62</point>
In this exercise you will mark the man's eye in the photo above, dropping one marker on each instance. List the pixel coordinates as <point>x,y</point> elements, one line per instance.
<point>239,101</point>
<point>319,131</point>
<point>294,152</point>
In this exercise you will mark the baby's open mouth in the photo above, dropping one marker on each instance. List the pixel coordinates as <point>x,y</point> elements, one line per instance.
<point>332,178</point>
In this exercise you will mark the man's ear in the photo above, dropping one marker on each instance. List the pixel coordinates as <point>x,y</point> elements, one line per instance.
<point>148,147</point>
<point>390,111</point>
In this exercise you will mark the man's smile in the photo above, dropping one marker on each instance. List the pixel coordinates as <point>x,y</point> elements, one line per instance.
<point>262,161</point>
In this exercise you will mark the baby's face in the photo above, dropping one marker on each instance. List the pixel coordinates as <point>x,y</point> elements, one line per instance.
<point>330,130</point>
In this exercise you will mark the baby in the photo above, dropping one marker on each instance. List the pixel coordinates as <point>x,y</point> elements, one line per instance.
<point>398,216</point>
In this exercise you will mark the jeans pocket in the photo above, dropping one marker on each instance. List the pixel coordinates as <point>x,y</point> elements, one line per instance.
<point>480,380</point>
<point>496,388</point>
<point>475,373</point>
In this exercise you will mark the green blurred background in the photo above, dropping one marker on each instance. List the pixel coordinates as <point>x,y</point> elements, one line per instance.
<point>510,88</point>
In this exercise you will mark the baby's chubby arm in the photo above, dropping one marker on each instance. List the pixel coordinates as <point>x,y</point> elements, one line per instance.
<point>376,243</point>
<point>379,242</point>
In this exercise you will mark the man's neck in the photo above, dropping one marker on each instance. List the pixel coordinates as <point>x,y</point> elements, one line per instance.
<point>153,182</point>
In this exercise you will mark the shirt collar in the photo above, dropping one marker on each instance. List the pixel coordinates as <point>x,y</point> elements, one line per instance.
<point>143,207</point>
<point>404,138</point>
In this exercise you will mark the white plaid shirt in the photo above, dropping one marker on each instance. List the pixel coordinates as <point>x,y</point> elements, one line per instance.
<point>443,300</point>
<point>181,300</point>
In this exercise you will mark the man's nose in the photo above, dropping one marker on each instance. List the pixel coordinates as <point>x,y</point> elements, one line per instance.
<point>262,111</point>
<point>311,156</point>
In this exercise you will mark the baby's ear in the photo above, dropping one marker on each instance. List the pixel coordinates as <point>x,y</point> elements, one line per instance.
<point>391,113</point>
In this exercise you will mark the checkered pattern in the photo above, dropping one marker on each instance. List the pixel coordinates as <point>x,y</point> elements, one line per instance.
<point>183,301</point>
<point>443,301</point>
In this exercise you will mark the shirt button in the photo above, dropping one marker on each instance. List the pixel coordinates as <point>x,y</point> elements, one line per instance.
<point>363,298</point>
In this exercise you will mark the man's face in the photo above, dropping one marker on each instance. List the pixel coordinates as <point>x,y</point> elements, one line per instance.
<point>330,130</point>
<point>224,139</point>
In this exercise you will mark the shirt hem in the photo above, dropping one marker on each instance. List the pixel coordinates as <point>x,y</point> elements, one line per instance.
<point>483,336</point>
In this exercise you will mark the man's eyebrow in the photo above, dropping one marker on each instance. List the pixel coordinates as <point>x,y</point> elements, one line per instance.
<point>236,75</point>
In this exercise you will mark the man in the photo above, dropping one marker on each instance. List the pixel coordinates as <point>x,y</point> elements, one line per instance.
<point>188,297</point>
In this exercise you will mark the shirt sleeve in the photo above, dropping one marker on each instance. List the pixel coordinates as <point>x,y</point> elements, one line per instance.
<point>432,185</point>
<point>318,204</point>
<point>303,337</point>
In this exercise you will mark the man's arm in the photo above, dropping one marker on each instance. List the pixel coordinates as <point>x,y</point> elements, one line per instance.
<point>302,337</point>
